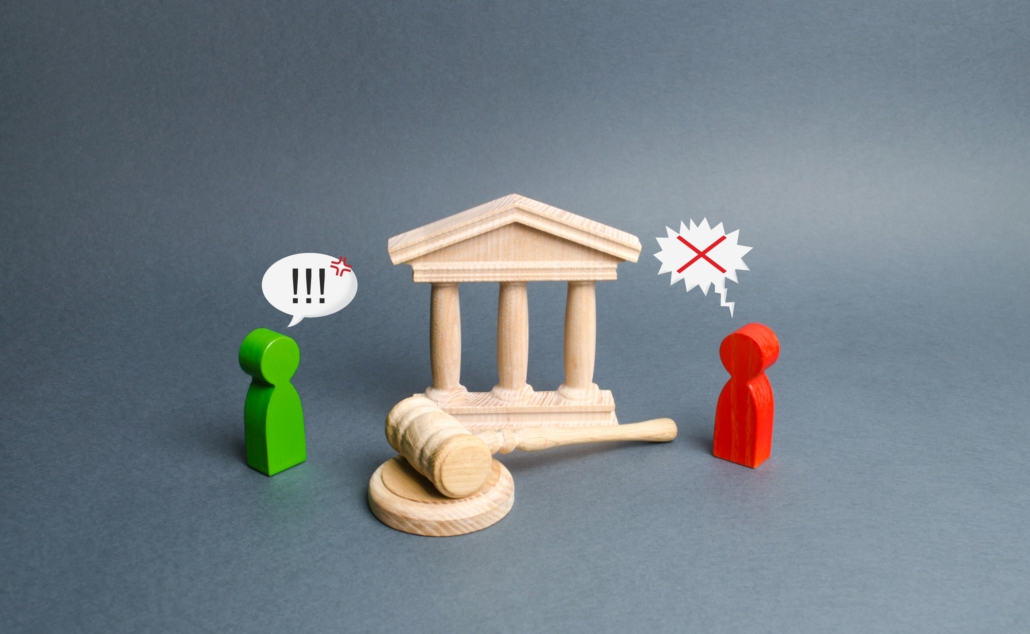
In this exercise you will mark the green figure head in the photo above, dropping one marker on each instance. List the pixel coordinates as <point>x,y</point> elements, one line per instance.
<point>270,357</point>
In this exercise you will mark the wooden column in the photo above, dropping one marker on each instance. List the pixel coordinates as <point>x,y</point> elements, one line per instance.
<point>580,342</point>
<point>512,342</point>
<point>445,341</point>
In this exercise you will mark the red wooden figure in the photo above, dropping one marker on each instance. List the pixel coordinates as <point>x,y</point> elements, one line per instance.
<point>744,415</point>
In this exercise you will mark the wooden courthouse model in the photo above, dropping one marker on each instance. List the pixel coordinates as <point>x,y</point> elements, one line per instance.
<point>515,240</point>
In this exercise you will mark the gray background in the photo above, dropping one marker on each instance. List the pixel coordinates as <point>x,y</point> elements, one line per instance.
<point>155,160</point>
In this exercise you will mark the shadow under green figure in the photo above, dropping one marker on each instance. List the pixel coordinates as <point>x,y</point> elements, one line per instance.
<point>273,417</point>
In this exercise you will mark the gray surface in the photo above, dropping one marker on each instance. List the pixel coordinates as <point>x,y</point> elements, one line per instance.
<point>154,161</point>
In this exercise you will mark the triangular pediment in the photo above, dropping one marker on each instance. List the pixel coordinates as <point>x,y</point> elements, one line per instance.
<point>516,242</point>
<point>552,232</point>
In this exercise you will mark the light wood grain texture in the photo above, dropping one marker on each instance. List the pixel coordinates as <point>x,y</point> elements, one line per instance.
<point>445,340</point>
<point>506,271</point>
<point>512,343</point>
<point>744,413</point>
<point>404,500</point>
<point>539,438</point>
<point>457,462</point>
<point>482,410</point>
<point>514,240</point>
<point>580,342</point>
<point>514,252</point>
<point>438,446</point>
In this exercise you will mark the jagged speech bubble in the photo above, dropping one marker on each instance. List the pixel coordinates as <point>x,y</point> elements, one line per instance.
<point>309,285</point>
<point>702,256</point>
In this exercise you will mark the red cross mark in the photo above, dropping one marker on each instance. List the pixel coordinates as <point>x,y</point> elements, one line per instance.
<point>342,263</point>
<point>701,254</point>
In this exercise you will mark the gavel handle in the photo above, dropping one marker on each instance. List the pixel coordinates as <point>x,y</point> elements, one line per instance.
<point>538,438</point>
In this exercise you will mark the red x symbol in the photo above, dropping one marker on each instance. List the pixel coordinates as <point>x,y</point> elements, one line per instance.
<point>701,254</point>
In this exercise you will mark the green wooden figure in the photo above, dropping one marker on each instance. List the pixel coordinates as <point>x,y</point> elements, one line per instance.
<point>273,417</point>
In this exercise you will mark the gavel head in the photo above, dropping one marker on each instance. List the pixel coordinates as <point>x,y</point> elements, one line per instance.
<point>455,460</point>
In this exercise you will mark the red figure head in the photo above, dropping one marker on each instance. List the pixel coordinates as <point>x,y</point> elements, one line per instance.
<point>747,352</point>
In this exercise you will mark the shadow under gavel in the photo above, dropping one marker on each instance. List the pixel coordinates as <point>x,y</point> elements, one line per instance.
<point>458,462</point>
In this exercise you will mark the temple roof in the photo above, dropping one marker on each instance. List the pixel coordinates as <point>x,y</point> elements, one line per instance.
<point>513,209</point>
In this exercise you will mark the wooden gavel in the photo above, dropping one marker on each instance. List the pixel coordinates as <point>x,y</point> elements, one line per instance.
<point>458,462</point>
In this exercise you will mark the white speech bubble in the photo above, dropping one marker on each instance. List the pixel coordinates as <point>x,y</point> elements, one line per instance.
<point>309,285</point>
<point>702,256</point>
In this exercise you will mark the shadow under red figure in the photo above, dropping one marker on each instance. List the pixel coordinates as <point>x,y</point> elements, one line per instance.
<point>744,415</point>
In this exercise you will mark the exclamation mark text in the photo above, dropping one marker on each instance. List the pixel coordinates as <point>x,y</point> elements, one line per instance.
<point>307,275</point>
<point>295,285</point>
<point>321,285</point>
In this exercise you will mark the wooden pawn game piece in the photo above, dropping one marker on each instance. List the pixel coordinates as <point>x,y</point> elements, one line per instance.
<point>273,416</point>
<point>744,414</point>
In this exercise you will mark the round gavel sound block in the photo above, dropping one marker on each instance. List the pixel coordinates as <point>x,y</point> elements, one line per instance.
<point>402,498</point>
<point>457,461</point>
